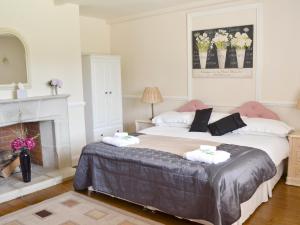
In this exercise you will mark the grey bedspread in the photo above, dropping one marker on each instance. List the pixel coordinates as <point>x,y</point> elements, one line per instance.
<point>174,185</point>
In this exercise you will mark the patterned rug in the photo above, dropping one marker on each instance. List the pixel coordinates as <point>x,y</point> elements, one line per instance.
<point>73,209</point>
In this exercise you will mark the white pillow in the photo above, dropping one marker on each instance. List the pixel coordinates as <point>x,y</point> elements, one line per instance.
<point>175,119</point>
<point>260,126</point>
<point>180,125</point>
<point>182,119</point>
<point>215,116</point>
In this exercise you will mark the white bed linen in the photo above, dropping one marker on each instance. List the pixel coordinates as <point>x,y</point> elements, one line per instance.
<point>276,147</point>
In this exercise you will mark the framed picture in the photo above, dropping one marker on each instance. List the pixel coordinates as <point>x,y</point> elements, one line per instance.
<point>223,52</point>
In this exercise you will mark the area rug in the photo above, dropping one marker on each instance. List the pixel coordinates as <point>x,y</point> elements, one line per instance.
<point>72,208</point>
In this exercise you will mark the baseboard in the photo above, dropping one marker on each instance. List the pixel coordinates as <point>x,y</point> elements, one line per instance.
<point>293,181</point>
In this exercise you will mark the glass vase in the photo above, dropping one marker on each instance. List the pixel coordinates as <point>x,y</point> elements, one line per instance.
<point>25,162</point>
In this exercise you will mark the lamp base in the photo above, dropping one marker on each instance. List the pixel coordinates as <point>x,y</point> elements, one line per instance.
<point>152,111</point>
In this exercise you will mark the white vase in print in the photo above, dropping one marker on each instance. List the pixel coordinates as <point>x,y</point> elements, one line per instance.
<point>221,57</point>
<point>203,59</point>
<point>240,55</point>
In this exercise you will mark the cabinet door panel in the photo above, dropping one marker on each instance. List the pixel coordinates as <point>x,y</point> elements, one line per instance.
<point>115,96</point>
<point>99,93</point>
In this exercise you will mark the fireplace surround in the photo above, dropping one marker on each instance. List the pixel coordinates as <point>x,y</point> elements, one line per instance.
<point>51,112</point>
<point>50,115</point>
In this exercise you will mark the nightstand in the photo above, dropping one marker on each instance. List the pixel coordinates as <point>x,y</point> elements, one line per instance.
<point>142,124</point>
<point>293,177</point>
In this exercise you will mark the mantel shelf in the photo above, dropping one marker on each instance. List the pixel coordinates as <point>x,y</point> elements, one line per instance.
<point>35,98</point>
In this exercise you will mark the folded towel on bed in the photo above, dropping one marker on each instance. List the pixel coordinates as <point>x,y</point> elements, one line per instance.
<point>207,156</point>
<point>121,134</point>
<point>208,147</point>
<point>121,141</point>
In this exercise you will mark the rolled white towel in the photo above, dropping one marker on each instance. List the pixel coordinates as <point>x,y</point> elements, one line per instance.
<point>221,156</point>
<point>208,147</point>
<point>121,141</point>
<point>121,134</point>
<point>207,156</point>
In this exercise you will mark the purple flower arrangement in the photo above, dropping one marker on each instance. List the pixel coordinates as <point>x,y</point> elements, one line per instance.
<point>21,146</point>
<point>56,83</point>
<point>23,143</point>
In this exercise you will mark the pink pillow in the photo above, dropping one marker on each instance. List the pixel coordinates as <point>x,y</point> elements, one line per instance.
<point>192,106</point>
<point>257,110</point>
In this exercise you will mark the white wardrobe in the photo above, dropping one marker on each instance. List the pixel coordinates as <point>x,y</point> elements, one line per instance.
<point>102,94</point>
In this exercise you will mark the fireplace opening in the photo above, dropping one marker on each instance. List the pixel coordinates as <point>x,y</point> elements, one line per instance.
<point>42,156</point>
<point>31,129</point>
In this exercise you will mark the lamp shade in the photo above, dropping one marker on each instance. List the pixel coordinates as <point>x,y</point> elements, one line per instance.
<point>298,104</point>
<point>152,95</point>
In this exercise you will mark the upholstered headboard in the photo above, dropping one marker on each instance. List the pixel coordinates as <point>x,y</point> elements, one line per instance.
<point>192,106</point>
<point>256,109</point>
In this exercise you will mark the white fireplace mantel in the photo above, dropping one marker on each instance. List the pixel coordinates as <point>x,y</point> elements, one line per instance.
<point>35,98</point>
<point>52,113</point>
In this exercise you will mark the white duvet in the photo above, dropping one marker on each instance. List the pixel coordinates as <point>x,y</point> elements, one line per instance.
<point>276,147</point>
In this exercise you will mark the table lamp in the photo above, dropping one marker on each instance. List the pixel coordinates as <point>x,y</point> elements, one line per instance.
<point>152,96</point>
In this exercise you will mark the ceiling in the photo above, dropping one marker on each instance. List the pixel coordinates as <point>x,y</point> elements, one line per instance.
<point>112,9</point>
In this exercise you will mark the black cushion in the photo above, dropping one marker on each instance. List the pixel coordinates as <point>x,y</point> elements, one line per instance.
<point>226,125</point>
<point>201,119</point>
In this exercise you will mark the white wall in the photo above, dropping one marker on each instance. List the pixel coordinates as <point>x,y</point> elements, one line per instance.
<point>95,35</point>
<point>14,70</point>
<point>154,50</point>
<point>52,35</point>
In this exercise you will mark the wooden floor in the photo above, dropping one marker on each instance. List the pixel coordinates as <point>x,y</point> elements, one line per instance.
<point>282,209</point>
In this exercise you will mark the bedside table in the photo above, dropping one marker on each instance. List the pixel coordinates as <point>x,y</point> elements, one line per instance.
<point>293,177</point>
<point>142,124</point>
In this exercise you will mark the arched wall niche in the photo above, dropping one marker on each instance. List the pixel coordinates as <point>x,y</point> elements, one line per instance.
<point>14,59</point>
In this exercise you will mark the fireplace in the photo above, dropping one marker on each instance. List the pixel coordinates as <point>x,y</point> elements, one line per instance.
<point>50,114</point>
<point>48,117</point>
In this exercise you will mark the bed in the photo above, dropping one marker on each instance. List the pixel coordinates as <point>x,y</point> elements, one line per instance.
<point>130,173</point>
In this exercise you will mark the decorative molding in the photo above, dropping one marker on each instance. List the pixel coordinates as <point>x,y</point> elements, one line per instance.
<point>259,51</point>
<point>34,98</point>
<point>284,104</point>
<point>189,57</point>
<point>279,104</point>
<point>174,98</point>
<point>183,7</point>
